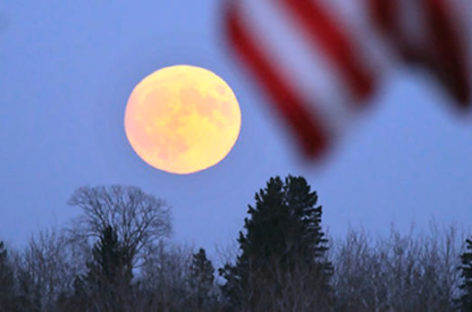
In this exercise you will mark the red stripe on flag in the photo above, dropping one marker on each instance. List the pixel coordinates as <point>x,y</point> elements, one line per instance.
<point>325,33</point>
<point>451,65</point>
<point>384,14</point>
<point>306,124</point>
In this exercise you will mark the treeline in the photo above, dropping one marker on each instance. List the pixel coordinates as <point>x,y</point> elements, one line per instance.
<point>115,256</point>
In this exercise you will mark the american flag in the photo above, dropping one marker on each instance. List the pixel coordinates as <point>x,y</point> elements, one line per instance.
<point>319,61</point>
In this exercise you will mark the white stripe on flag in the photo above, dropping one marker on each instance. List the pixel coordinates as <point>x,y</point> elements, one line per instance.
<point>305,68</point>
<point>370,47</point>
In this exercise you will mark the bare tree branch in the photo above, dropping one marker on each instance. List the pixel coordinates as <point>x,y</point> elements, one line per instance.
<point>141,220</point>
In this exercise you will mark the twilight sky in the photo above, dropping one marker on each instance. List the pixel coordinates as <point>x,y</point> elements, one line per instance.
<point>67,69</point>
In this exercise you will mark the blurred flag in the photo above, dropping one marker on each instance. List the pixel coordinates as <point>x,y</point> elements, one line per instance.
<point>320,60</point>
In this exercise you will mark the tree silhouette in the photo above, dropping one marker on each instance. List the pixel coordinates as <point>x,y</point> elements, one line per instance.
<point>7,292</point>
<point>466,274</point>
<point>139,219</point>
<point>201,277</point>
<point>108,280</point>
<point>111,262</point>
<point>282,251</point>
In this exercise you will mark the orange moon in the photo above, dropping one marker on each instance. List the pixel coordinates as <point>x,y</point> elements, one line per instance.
<point>182,119</point>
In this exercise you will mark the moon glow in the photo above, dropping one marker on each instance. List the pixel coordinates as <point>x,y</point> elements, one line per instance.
<point>182,119</point>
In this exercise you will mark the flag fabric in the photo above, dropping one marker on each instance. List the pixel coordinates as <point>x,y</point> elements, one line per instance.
<point>319,61</point>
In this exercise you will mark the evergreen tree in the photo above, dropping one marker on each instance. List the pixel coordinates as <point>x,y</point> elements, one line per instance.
<point>283,248</point>
<point>108,281</point>
<point>201,278</point>
<point>110,259</point>
<point>466,273</point>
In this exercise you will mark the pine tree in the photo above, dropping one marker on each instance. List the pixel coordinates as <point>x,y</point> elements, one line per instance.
<point>282,250</point>
<point>110,259</point>
<point>466,273</point>
<point>201,278</point>
<point>108,280</point>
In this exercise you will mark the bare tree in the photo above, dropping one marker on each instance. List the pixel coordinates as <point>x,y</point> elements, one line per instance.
<point>163,278</point>
<point>140,219</point>
<point>46,269</point>
<point>399,273</point>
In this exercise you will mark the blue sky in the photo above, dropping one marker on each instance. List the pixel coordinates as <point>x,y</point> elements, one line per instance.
<point>68,67</point>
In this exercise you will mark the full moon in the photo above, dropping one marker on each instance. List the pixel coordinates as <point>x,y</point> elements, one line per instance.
<point>182,119</point>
